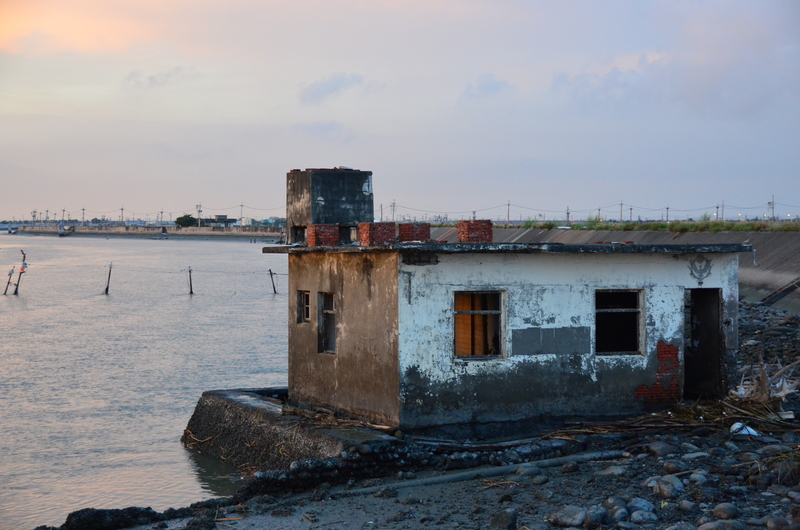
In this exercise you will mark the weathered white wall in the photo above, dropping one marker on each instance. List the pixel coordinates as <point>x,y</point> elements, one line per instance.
<point>541,291</point>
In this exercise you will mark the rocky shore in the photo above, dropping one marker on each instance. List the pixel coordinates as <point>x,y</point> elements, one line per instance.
<point>724,465</point>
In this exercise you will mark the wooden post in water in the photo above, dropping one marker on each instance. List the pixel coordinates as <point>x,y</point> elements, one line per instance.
<point>274,290</point>
<point>21,272</point>
<point>190,281</point>
<point>10,277</point>
<point>108,282</point>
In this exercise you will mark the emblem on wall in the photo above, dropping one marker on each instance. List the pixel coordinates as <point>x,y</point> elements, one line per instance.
<point>700,268</point>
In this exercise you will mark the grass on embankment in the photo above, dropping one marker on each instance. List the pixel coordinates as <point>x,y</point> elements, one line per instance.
<point>673,226</point>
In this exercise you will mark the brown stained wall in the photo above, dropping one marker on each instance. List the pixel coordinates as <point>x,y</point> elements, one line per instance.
<point>298,201</point>
<point>362,378</point>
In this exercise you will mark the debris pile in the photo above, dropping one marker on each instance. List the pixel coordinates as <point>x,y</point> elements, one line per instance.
<point>769,364</point>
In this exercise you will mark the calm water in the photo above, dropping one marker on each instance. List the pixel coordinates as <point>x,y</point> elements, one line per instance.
<point>96,390</point>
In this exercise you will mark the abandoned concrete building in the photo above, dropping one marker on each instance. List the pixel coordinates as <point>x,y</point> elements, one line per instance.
<point>398,329</point>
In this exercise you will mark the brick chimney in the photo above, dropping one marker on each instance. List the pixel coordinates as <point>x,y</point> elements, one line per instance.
<point>415,231</point>
<point>323,235</point>
<point>376,234</point>
<point>479,231</point>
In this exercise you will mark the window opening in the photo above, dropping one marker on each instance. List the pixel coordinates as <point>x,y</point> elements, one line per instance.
<point>298,234</point>
<point>478,323</point>
<point>618,322</point>
<point>303,307</point>
<point>327,323</point>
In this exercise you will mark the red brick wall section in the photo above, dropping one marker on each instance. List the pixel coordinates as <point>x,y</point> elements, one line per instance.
<point>376,233</point>
<point>415,231</point>
<point>479,231</point>
<point>322,235</point>
<point>666,389</point>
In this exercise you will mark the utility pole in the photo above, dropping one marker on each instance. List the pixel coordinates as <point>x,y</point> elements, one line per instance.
<point>508,214</point>
<point>394,207</point>
<point>62,214</point>
<point>83,216</point>
<point>381,212</point>
<point>199,213</point>
<point>631,217</point>
<point>771,205</point>
<point>668,214</point>
<point>241,211</point>
<point>620,211</point>
<point>122,215</point>
<point>716,215</point>
<point>723,210</point>
<point>567,213</point>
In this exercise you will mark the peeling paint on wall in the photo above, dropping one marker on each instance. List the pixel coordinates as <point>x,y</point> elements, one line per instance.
<point>666,388</point>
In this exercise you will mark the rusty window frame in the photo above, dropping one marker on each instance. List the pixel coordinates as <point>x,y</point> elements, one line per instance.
<point>477,315</point>
<point>617,317</point>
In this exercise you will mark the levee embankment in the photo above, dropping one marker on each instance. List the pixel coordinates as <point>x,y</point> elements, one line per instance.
<point>155,231</point>
<point>774,263</point>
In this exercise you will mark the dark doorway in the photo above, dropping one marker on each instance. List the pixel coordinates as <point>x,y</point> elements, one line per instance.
<point>704,348</point>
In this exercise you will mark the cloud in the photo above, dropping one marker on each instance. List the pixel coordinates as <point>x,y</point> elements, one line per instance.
<point>486,86</point>
<point>318,92</point>
<point>722,63</point>
<point>327,130</point>
<point>613,83</point>
<point>136,79</point>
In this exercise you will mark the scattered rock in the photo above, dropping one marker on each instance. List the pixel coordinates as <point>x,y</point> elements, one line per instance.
<point>669,487</point>
<point>773,450</point>
<point>202,521</point>
<point>386,492</point>
<point>596,517</point>
<point>675,466</point>
<point>643,517</point>
<point>695,456</point>
<point>637,503</point>
<point>726,510</point>
<point>570,467</point>
<point>712,525</point>
<point>660,448</point>
<point>612,471</point>
<point>93,519</point>
<point>568,516</point>
<point>776,523</point>
<point>505,520</point>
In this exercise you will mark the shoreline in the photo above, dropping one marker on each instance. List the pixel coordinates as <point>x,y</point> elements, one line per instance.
<point>679,469</point>
<point>155,232</point>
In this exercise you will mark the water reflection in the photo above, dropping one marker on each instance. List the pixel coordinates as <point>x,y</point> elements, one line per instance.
<point>215,476</point>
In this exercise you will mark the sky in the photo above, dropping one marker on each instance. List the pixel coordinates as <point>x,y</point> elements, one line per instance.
<point>520,108</point>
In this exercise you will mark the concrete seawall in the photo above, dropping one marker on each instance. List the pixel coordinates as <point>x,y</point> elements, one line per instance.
<point>155,231</point>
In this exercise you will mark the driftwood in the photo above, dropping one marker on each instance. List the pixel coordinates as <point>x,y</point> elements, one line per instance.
<point>767,382</point>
